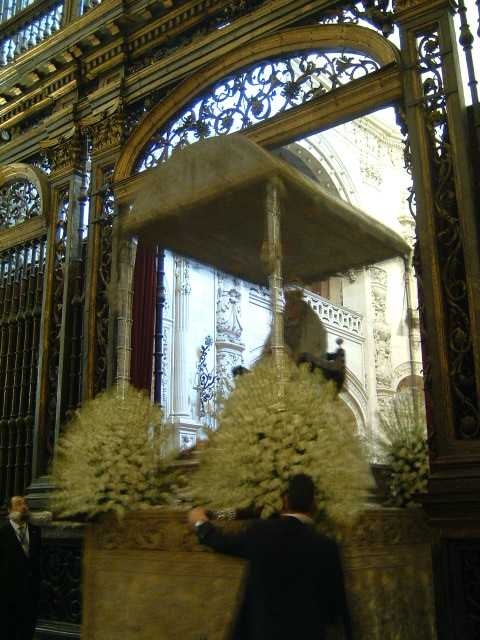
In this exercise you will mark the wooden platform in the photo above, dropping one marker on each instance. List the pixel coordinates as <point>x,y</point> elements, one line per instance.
<point>148,579</point>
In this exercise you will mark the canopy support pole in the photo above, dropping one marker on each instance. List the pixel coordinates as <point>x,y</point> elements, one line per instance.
<point>274,262</point>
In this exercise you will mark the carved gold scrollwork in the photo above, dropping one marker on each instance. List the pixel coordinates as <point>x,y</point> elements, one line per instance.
<point>449,241</point>
<point>106,130</point>
<point>103,281</point>
<point>64,152</point>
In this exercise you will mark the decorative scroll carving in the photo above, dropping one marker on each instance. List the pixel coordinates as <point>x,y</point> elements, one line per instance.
<point>227,359</point>
<point>449,240</point>
<point>61,569</point>
<point>108,131</point>
<point>205,384</point>
<point>135,111</point>
<point>166,358</point>
<point>381,329</point>
<point>103,281</point>
<point>55,322</point>
<point>162,529</point>
<point>225,15</point>
<point>64,152</point>
<point>154,529</point>
<point>379,13</point>
<point>19,201</point>
<point>255,94</point>
<point>228,344</point>
<point>228,311</point>
<point>21,287</point>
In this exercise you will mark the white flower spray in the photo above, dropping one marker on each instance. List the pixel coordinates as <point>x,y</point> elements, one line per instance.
<point>260,443</point>
<point>403,442</point>
<point>112,457</point>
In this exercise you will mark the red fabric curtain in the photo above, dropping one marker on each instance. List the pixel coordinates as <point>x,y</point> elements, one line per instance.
<point>143,318</point>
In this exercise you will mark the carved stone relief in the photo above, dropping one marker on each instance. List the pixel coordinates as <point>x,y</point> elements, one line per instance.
<point>228,309</point>
<point>381,330</point>
<point>228,344</point>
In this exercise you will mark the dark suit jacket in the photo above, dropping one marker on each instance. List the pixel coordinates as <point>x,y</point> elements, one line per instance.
<point>294,584</point>
<point>19,576</point>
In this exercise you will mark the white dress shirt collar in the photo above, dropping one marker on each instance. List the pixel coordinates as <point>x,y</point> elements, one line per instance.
<point>299,516</point>
<point>16,528</point>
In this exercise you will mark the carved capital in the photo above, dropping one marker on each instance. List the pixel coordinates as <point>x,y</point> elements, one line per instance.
<point>407,10</point>
<point>108,131</point>
<point>378,276</point>
<point>64,152</point>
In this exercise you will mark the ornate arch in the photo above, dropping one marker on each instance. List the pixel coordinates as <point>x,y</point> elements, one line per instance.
<point>353,395</point>
<point>345,38</point>
<point>36,224</point>
<point>24,221</point>
<point>411,370</point>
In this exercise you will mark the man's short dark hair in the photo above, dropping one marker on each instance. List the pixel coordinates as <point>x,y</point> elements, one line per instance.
<point>239,371</point>
<point>301,493</point>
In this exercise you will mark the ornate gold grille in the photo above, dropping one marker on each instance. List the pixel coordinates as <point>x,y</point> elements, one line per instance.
<point>21,288</point>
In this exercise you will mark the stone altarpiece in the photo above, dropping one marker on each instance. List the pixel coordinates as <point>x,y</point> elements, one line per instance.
<point>86,89</point>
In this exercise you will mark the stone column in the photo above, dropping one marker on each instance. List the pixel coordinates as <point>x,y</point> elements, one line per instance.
<point>382,336</point>
<point>180,406</point>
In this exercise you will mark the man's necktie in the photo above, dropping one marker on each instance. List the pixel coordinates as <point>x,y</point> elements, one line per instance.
<point>22,536</point>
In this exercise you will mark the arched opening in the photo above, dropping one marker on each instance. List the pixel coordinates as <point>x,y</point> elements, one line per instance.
<point>24,214</point>
<point>222,101</point>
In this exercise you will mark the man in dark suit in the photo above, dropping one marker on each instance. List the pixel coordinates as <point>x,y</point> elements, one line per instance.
<point>19,573</point>
<point>294,585</point>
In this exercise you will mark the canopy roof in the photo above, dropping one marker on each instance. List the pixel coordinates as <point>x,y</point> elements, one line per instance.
<point>208,202</point>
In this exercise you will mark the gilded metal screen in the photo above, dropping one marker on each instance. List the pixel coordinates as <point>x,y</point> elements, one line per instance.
<point>21,289</point>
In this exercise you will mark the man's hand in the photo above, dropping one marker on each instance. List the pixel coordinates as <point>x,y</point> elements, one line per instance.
<point>199,514</point>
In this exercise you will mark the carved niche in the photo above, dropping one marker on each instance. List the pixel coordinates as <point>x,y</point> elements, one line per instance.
<point>228,344</point>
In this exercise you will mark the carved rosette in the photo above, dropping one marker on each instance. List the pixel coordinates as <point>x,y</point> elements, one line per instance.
<point>381,331</point>
<point>228,344</point>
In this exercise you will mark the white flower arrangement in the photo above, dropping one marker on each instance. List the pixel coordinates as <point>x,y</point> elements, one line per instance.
<point>274,425</point>
<point>112,457</point>
<point>403,442</point>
